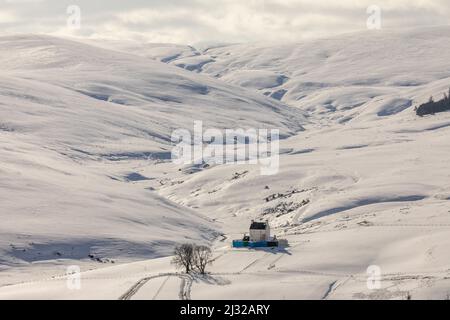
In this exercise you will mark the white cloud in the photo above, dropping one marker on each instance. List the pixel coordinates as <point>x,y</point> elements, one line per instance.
<point>7,17</point>
<point>190,21</point>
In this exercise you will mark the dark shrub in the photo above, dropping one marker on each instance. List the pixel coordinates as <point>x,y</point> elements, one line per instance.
<point>432,107</point>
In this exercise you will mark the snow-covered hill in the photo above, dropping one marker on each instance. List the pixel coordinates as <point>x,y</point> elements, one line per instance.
<point>336,79</point>
<point>366,183</point>
<point>67,111</point>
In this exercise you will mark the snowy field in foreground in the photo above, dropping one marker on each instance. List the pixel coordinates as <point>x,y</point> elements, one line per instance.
<point>84,135</point>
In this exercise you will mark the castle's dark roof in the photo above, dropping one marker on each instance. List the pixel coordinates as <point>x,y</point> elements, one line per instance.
<point>258,226</point>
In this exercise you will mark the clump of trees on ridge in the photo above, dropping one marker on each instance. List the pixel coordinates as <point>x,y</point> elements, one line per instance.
<point>432,107</point>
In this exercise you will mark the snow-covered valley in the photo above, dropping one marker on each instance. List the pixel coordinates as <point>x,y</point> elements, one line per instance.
<point>86,176</point>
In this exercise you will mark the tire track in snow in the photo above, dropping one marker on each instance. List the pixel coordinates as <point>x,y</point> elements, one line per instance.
<point>254,262</point>
<point>160,288</point>
<point>329,290</point>
<point>334,286</point>
<point>138,285</point>
<point>314,273</point>
<point>273,264</point>
<point>134,289</point>
<point>181,295</point>
<point>219,256</point>
<point>282,255</point>
<point>185,287</point>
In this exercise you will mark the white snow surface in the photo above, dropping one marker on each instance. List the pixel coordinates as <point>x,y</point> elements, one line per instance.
<point>84,139</point>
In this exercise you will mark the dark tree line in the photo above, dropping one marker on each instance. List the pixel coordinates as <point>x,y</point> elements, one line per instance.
<point>192,257</point>
<point>432,107</point>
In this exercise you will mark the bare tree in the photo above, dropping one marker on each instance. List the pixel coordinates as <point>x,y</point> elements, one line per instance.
<point>184,256</point>
<point>202,257</point>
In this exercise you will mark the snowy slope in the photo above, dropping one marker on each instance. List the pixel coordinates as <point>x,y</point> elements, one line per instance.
<point>56,207</point>
<point>336,79</point>
<point>134,87</point>
<point>365,184</point>
<point>67,112</point>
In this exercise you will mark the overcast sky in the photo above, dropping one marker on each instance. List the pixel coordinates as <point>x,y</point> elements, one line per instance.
<point>196,21</point>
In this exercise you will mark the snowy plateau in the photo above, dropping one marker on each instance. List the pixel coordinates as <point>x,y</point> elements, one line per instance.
<point>86,178</point>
